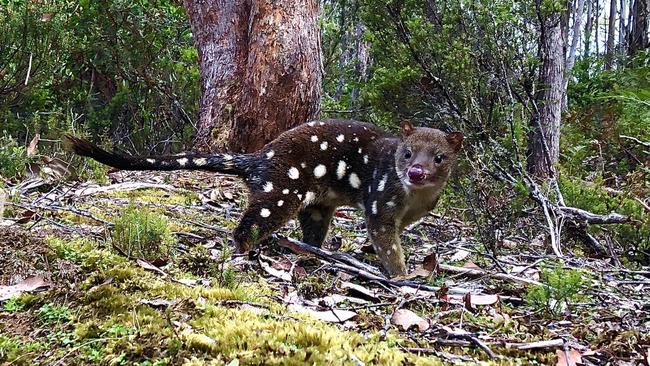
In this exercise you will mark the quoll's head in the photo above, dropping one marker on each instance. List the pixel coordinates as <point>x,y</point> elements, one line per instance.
<point>426,156</point>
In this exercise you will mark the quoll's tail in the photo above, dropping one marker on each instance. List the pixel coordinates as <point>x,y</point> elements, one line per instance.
<point>223,163</point>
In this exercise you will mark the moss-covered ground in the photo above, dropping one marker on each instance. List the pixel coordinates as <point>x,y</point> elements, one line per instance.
<point>200,304</point>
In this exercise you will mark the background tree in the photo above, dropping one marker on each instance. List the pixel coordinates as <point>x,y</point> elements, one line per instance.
<point>544,138</point>
<point>260,69</point>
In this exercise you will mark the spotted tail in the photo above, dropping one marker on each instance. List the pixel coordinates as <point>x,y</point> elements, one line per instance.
<point>222,163</point>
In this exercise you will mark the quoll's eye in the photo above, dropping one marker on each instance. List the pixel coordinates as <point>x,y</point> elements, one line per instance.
<point>439,159</point>
<point>407,154</point>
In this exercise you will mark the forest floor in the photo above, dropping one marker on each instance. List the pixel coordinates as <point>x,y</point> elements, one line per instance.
<point>68,296</point>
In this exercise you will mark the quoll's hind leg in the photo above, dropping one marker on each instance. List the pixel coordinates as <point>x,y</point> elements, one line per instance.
<point>386,242</point>
<point>315,222</point>
<point>262,218</point>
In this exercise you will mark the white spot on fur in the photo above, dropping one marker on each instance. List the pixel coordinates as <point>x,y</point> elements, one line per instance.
<point>311,124</point>
<point>340,169</point>
<point>356,139</point>
<point>355,182</point>
<point>309,197</point>
<point>319,170</point>
<point>388,252</point>
<point>314,138</point>
<point>365,159</point>
<point>265,212</point>
<point>182,161</point>
<point>151,161</point>
<point>280,203</point>
<point>340,138</point>
<point>285,191</point>
<point>293,173</point>
<point>270,154</point>
<point>303,165</point>
<point>227,157</point>
<point>369,188</point>
<point>390,204</point>
<point>374,207</point>
<point>349,126</point>
<point>299,196</point>
<point>382,183</point>
<point>321,123</point>
<point>360,150</point>
<point>268,187</point>
<point>323,145</point>
<point>200,161</point>
<point>395,247</point>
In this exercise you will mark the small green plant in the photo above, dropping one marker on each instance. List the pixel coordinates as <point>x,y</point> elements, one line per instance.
<point>13,157</point>
<point>50,313</point>
<point>95,171</point>
<point>140,233</point>
<point>561,288</point>
<point>13,305</point>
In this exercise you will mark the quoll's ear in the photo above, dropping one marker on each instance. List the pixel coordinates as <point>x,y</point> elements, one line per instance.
<point>455,139</point>
<point>406,129</point>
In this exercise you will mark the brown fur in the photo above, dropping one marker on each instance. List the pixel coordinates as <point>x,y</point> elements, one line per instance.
<point>314,168</point>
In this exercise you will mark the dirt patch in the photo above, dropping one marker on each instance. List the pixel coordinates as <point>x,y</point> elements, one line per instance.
<point>22,255</point>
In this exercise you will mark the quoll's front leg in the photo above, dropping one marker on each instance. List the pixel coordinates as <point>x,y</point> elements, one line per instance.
<point>385,240</point>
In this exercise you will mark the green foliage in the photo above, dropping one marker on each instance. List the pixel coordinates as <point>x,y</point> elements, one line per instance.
<point>50,313</point>
<point>562,287</point>
<point>13,158</point>
<point>142,234</point>
<point>12,350</point>
<point>634,237</point>
<point>116,68</point>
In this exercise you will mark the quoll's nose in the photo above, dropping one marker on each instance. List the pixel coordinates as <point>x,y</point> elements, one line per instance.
<point>416,173</point>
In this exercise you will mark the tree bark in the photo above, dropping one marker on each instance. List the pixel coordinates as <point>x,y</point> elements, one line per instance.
<point>588,28</point>
<point>260,69</point>
<point>575,37</point>
<point>622,25</point>
<point>544,138</point>
<point>611,30</point>
<point>639,26</point>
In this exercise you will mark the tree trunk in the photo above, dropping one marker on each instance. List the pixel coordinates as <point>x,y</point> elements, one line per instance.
<point>622,27</point>
<point>611,30</point>
<point>544,138</point>
<point>588,28</point>
<point>575,37</point>
<point>639,26</point>
<point>260,69</point>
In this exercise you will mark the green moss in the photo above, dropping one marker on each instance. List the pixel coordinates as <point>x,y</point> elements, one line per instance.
<point>85,253</point>
<point>157,196</point>
<point>228,334</point>
<point>18,352</point>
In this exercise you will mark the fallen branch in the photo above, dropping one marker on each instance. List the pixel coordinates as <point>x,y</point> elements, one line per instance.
<point>534,345</point>
<point>480,272</point>
<point>592,218</point>
<point>636,140</point>
<point>128,186</point>
<point>366,271</point>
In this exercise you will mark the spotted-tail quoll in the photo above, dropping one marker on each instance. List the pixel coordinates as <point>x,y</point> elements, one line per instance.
<point>316,167</point>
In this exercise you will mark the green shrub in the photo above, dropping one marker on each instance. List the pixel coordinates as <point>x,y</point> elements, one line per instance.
<point>13,158</point>
<point>563,287</point>
<point>143,234</point>
<point>632,237</point>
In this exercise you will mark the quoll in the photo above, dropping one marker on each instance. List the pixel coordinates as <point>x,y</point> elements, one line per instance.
<point>316,167</point>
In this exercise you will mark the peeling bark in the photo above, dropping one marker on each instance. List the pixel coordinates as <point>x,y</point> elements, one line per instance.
<point>260,70</point>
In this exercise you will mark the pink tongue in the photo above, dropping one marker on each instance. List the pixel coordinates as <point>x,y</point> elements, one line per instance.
<point>416,173</point>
